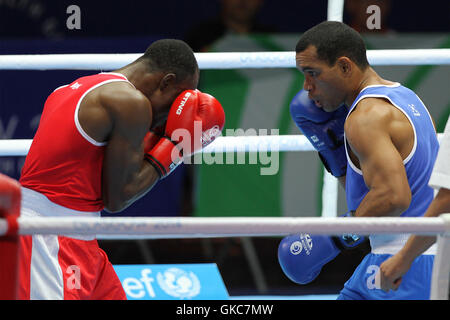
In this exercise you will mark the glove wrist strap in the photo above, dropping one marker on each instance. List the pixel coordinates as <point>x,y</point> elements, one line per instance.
<point>165,156</point>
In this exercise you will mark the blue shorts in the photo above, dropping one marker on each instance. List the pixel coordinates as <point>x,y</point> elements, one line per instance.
<point>364,285</point>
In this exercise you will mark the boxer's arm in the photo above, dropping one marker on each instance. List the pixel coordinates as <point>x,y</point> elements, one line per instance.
<point>393,269</point>
<point>367,131</point>
<point>416,244</point>
<point>126,176</point>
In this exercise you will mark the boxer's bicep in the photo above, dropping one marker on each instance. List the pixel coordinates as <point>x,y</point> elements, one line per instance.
<point>123,158</point>
<point>380,162</point>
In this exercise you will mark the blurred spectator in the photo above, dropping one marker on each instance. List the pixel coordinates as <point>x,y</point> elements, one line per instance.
<point>31,19</point>
<point>235,16</point>
<point>372,21</point>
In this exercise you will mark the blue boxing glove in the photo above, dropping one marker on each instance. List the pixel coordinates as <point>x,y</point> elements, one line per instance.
<point>302,256</point>
<point>325,131</point>
<point>348,240</point>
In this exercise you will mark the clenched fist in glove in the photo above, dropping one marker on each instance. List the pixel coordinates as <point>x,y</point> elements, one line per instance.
<point>325,131</point>
<point>195,119</point>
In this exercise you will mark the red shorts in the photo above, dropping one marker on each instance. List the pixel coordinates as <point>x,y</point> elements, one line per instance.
<point>60,267</point>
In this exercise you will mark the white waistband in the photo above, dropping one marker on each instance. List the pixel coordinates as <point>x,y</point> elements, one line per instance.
<point>44,207</point>
<point>391,244</point>
<point>35,204</point>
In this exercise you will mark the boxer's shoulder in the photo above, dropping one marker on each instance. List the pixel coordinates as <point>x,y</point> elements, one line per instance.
<point>112,104</point>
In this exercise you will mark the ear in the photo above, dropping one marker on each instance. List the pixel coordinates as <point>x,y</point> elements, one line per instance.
<point>167,81</point>
<point>345,65</point>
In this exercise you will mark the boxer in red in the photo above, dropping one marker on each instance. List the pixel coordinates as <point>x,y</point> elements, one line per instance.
<point>95,149</point>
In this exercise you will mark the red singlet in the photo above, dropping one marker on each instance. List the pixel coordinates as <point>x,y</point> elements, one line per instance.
<point>62,177</point>
<point>64,163</point>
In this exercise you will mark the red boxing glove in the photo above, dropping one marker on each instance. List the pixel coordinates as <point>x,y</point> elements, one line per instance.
<point>194,121</point>
<point>152,137</point>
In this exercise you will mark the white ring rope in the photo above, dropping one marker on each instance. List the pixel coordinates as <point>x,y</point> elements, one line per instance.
<point>199,227</point>
<point>20,147</point>
<point>213,60</point>
<point>272,143</point>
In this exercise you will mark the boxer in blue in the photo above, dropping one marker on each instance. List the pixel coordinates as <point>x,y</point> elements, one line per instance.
<point>382,147</point>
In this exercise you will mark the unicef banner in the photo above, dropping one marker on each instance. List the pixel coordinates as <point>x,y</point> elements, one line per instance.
<point>172,282</point>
